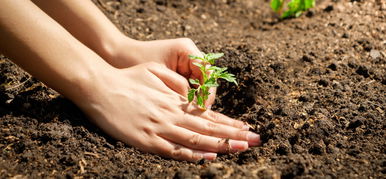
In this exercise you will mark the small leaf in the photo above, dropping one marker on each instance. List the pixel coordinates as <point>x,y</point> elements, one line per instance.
<point>298,14</point>
<point>206,96</point>
<point>194,82</point>
<point>200,101</point>
<point>214,68</point>
<point>297,7</point>
<point>218,71</point>
<point>276,5</point>
<point>191,94</point>
<point>211,83</point>
<point>193,57</point>
<point>221,70</point>
<point>309,4</point>
<point>211,57</point>
<point>214,55</point>
<point>198,64</point>
<point>229,77</point>
<point>203,89</point>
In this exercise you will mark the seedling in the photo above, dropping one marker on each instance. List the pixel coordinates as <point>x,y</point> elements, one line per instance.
<point>210,74</point>
<point>295,7</point>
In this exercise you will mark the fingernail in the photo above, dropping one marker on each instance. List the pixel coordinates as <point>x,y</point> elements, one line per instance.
<point>254,144</point>
<point>198,156</point>
<point>245,128</point>
<point>253,138</point>
<point>210,156</point>
<point>238,145</point>
<point>209,107</point>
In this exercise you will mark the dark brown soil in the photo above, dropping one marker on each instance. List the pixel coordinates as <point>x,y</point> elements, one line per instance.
<point>314,87</point>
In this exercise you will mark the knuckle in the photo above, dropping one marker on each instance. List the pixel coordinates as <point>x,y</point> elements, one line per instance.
<point>176,153</point>
<point>195,140</point>
<point>223,145</point>
<point>210,128</point>
<point>242,135</point>
<point>148,131</point>
<point>215,118</point>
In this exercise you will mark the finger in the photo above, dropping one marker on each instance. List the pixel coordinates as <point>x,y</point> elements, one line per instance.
<point>210,101</point>
<point>186,47</point>
<point>210,128</point>
<point>171,79</point>
<point>215,117</point>
<point>223,119</point>
<point>178,152</point>
<point>198,141</point>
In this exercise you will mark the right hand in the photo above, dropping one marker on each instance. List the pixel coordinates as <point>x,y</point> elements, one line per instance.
<point>145,106</point>
<point>171,52</point>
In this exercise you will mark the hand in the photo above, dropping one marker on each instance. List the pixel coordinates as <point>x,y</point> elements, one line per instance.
<point>145,106</point>
<point>173,53</point>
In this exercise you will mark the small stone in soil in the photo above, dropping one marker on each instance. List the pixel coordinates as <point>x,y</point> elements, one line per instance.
<point>317,149</point>
<point>363,70</point>
<point>323,82</point>
<point>307,58</point>
<point>282,149</point>
<point>354,124</point>
<point>303,99</point>
<point>332,66</point>
<point>310,13</point>
<point>375,54</point>
<point>329,8</point>
<point>345,35</point>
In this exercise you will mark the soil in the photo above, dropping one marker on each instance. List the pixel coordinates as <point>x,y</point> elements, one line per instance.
<point>314,87</point>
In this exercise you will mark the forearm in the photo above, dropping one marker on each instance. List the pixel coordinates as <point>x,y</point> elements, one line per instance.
<point>45,49</point>
<point>87,23</point>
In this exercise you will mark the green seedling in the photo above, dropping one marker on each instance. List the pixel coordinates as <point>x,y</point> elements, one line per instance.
<point>295,7</point>
<point>210,74</point>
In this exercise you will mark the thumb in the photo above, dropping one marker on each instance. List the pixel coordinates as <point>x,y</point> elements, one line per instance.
<point>171,79</point>
<point>211,97</point>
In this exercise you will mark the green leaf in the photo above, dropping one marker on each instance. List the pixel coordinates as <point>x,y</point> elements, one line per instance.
<point>203,89</point>
<point>209,79</point>
<point>221,70</point>
<point>200,101</point>
<point>217,71</point>
<point>215,56</point>
<point>191,94</point>
<point>198,64</point>
<point>193,57</point>
<point>194,82</point>
<point>286,14</point>
<point>276,5</point>
<point>297,7</point>
<point>211,83</point>
<point>309,4</point>
<point>211,57</point>
<point>298,13</point>
<point>214,68</point>
<point>229,77</point>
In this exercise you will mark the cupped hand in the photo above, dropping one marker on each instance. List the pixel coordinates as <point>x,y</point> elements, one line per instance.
<point>172,52</point>
<point>145,106</point>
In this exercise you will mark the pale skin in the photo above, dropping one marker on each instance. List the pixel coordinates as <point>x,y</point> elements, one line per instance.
<point>134,90</point>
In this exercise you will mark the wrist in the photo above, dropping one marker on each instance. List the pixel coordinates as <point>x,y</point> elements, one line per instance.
<point>81,82</point>
<point>118,51</point>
